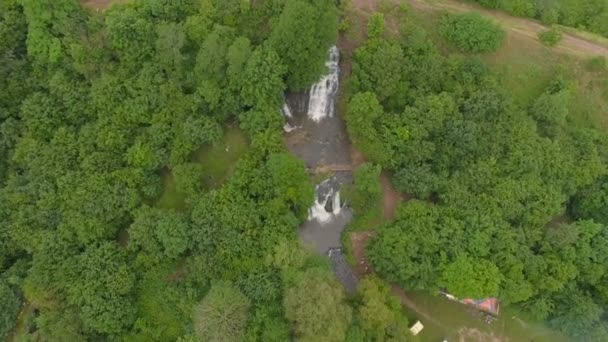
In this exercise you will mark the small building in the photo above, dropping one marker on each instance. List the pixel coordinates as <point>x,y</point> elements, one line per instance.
<point>416,328</point>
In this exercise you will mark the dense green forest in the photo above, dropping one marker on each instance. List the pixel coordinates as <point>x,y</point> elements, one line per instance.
<point>510,202</point>
<point>97,110</point>
<point>589,15</point>
<point>146,193</point>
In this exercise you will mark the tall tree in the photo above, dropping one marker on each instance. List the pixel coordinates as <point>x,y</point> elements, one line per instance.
<point>314,26</point>
<point>221,315</point>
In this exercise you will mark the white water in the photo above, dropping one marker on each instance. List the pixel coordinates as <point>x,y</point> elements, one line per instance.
<point>336,205</point>
<point>326,192</point>
<point>322,94</point>
<point>289,128</point>
<point>286,110</point>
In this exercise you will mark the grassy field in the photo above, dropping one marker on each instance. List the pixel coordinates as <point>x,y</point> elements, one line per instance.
<point>526,67</point>
<point>455,321</point>
<point>217,163</point>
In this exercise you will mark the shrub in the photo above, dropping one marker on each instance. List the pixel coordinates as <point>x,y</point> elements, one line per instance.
<point>470,32</point>
<point>550,37</point>
<point>596,64</point>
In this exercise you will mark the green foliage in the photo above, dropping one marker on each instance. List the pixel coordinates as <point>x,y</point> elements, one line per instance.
<point>315,306</point>
<point>221,315</point>
<point>597,64</point>
<point>314,26</point>
<point>471,32</point>
<point>366,191</point>
<point>496,181</point>
<point>160,233</point>
<point>375,26</point>
<point>263,79</point>
<point>364,114</point>
<point>10,304</point>
<point>377,68</point>
<point>188,179</point>
<point>122,196</point>
<point>590,201</point>
<point>466,278</point>
<point>589,15</point>
<point>550,37</point>
<point>101,283</point>
<point>379,314</point>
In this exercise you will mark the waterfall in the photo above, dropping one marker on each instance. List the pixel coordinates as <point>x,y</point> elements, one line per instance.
<point>286,110</point>
<point>322,94</point>
<point>327,203</point>
<point>336,206</point>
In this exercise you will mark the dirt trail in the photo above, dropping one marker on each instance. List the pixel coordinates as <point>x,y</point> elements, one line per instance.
<point>100,4</point>
<point>527,28</point>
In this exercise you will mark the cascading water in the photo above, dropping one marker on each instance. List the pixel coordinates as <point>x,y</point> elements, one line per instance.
<point>327,204</point>
<point>321,142</point>
<point>323,93</point>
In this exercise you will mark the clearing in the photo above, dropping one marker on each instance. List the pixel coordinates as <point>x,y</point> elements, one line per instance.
<point>446,319</point>
<point>217,163</point>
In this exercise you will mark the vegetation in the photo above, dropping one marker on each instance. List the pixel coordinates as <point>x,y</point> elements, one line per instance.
<point>470,32</point>
<point>380,316</point>
<point>133,208</point>
<point>493,181</point>
<point>222,315</point>
<point>315,306</point>
<point>550,37</point>
<point>591,15</point>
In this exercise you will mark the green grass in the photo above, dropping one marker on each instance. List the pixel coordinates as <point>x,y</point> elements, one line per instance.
<point>454,317</point>
<point>217,162</point>
<point>526,67</point>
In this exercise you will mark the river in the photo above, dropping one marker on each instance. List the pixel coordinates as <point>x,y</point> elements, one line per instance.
<point>316,134</point>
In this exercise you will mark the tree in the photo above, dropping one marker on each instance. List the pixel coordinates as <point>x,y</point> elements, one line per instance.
<point>367,191</point>
<point>380,312</point>
<point>378,68</point>
<point>375,26</point>
<point>316,309</point>
<point>590,201</point>
<point>364,112</point>
<point>262,82</point>
<point>221,315</point>
<point>100,283</point>
<point>291,186</point>
<point>550,37</point>
<point>470,278</point>
<point>10,304</point>
<point>314,27</point>
<point>160,233</point>
<point>470,32</point>
<point>188,179</point>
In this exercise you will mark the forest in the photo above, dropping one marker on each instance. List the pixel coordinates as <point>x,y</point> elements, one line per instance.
<point>114,226</point>
<point>509,202</point>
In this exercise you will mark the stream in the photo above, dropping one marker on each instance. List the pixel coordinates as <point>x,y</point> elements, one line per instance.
<point>317,135</point>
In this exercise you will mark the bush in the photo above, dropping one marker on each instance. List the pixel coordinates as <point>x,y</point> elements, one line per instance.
<point>9,304</point>
<point>596,64</point>
<point>470,32</point>
<point>550,37</point>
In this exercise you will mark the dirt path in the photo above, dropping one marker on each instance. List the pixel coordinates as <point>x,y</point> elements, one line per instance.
<point>100,4</point>
<point>390,197</point>
<point>526,28</point>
